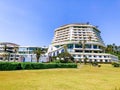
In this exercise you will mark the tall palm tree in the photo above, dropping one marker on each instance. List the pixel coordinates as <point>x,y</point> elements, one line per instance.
<point>5,55</point>
<point>38,53</point>
<point>15,51</point>
<point>83,47</point>
<point>5,48</point>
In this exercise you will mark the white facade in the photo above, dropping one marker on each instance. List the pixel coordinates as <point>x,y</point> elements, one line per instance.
<point>82,40</point>
<point>22,53</point>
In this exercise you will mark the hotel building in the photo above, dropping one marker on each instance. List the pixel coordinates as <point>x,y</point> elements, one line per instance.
<point>82,40</point>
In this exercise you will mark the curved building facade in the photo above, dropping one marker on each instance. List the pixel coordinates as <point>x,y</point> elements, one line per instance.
<point>82,41</point>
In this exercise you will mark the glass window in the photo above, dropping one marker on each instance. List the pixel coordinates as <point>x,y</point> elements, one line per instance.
<point>62,50</point>
<point>90,56</point>
<point>94,55</point>
<point>78,46</point>
<point>106,60</point>
<point>74,55</point>
<point>95,46</point>
<point>78,50</point>
<point>57,46</point>
<point>88,46</point>
<point>95,51</point>
<point>104,56</point>
<point>70,46</point>
<point>95,60</point>
<point>79,55</point>
<point>101,60</point>
<point>100,56</point>
<point>86,51</point>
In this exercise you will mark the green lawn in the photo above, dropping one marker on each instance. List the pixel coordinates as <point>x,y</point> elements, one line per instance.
<point>85,77</point>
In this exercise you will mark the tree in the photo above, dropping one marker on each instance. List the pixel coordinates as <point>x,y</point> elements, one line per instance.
<point>5,48</point>
<point>85,60</point>
<point>15,51</point>
<point>66,56</point>
<point>5,54</point>
<point>38,53</point>
<point>83,47</point>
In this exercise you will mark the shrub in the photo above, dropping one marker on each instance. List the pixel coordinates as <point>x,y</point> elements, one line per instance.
<point>26,65</point>
<point>10,66</point>
<point>56,61</point>
<point>115,64</point>
<point>99,65</point>
<point>94,63</point>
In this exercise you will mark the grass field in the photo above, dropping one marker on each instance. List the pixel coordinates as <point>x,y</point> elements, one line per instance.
<point>84,78</point>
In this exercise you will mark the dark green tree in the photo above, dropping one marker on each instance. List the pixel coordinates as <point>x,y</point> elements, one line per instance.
<point>38,53</point>
<point>66,56</point>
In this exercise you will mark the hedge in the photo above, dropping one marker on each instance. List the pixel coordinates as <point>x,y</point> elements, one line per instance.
<point>116,64</point>
<point>28,65</point>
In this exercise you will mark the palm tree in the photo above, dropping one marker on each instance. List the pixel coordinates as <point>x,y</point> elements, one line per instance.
<point>5,55</point>
<point>83,46</point>
<point>5,48</point>
<point>38,53</point>
<point>15,51</point>
<point>85,60</point>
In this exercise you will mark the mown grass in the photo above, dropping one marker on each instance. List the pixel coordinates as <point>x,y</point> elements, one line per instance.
<point>84,78</point>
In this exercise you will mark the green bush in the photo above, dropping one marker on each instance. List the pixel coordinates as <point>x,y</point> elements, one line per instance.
<point>57,61</point>
<point>10,66</point>
<point>27,66</point>
<point>116,64</point>
<point>94,63</point>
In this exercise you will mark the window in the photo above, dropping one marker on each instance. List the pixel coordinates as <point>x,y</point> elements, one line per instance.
<point>1,58</point>
<point>104,56</point>
<point>95,51</point>
<point>74,55</point>
<point>95,60</point>
<point>78,50</point>
<point>94,55</point>
<point>88,46</point>
<point>95,46</point>
<point>90,56</point>
<point>101,60</point>
<point>11,55</point>
<point>70,46</point>
<point>86,51</point>
<point>79,56</point>
<point>78,46</point>
<point>90,60</point>
<point>62,50</point>
<point>106,60</point>
<point>57,52</point>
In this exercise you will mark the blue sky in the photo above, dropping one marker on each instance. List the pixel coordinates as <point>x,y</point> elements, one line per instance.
<point>32,22</point>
